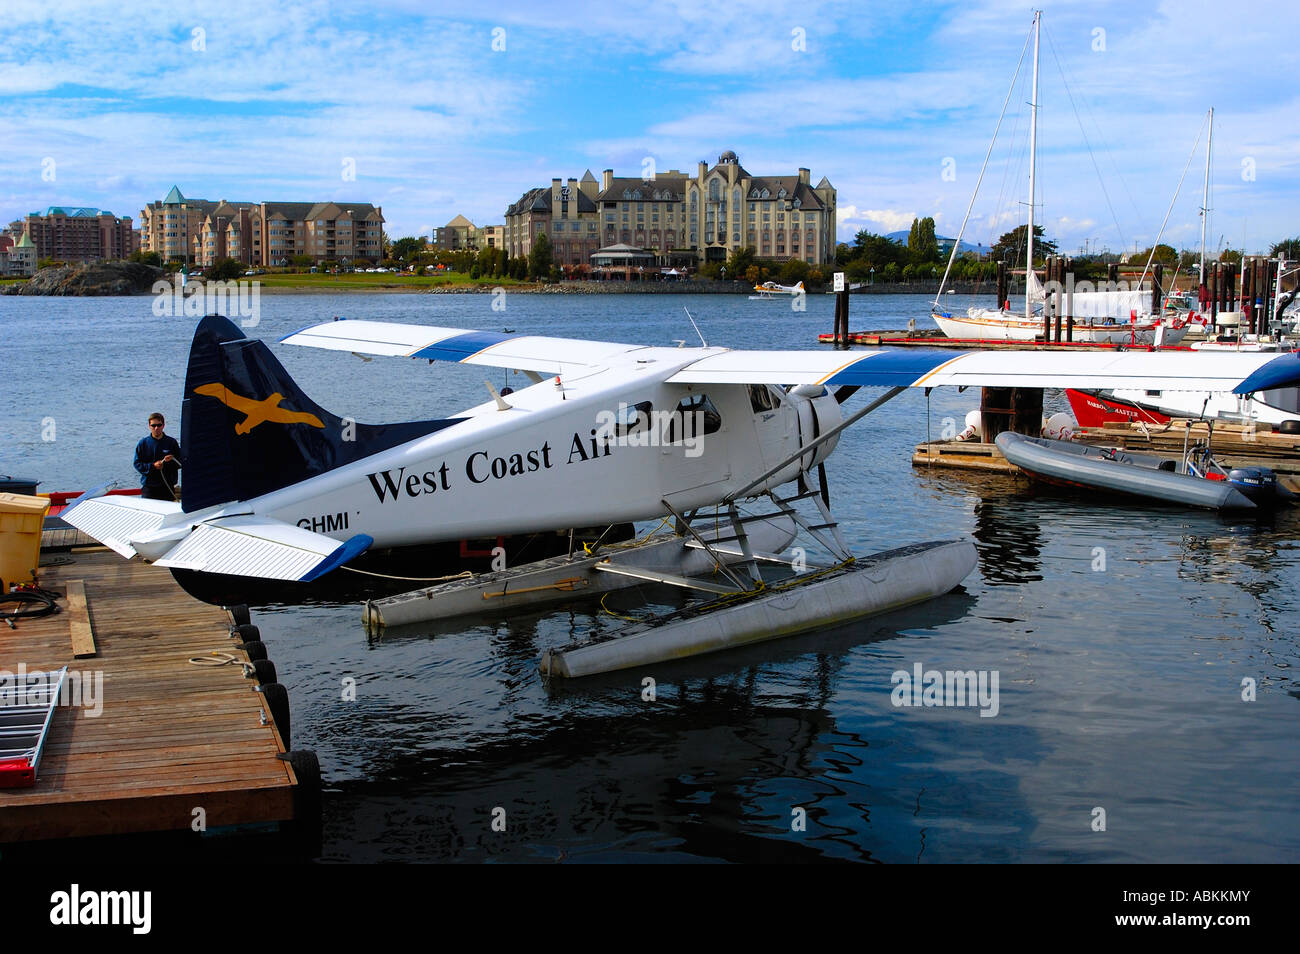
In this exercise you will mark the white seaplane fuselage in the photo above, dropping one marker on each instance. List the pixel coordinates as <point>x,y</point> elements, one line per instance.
<point>558,457</point>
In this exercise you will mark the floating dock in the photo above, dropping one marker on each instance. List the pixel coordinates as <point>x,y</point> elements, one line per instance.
<point>145,741</point>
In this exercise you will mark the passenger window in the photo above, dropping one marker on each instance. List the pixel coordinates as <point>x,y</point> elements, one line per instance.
<point>698,414</point>
<point>633,418</point>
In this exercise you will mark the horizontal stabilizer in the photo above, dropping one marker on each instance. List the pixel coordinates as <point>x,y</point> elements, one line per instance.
<point>261,547</point>
<point>116,521</point>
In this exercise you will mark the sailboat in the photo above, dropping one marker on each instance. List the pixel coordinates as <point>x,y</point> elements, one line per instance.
<point>1096,314</point>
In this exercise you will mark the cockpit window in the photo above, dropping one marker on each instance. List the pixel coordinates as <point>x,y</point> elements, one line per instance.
<point>763,398</point>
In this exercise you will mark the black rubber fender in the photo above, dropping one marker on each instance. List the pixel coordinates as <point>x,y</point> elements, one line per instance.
<point>239,613</point>
<point>277,700</point>
<point>256,650</point>
<point>246,633</point>
<point>304,832</point>
<point>264,670</point>
<point>1291,426</point>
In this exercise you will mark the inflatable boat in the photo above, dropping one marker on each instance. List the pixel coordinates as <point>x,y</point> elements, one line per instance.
<point>1199,481</point>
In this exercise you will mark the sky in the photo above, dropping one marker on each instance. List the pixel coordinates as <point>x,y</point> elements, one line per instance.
<point>432,109</point>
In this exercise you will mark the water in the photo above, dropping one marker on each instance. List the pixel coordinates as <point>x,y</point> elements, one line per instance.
<point>1120,687</point>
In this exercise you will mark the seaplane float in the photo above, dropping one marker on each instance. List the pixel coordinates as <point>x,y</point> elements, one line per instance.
<point>276,487</point>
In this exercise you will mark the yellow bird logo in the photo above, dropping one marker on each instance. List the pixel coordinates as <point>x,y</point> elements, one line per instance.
<point>258,412</point>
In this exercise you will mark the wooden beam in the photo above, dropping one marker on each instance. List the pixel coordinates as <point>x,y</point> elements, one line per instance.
<point>83,636</point>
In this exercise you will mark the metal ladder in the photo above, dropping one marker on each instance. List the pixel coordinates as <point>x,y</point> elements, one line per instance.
<point>26,709</point>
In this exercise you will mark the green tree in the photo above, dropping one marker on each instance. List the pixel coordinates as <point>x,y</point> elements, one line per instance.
<point>922,245</point>
<point>225,269</point>
<point>740,261</point>
<point>793,271</point>
<point>1011,246</point>
<point>404,248</point>
<point>877,250</point>
<point>1287,248</point>
<point>539,257</point>
<point>148,258</point>
<point>1230,256</point>
<point>300,261</point>
<point>1164,254</point>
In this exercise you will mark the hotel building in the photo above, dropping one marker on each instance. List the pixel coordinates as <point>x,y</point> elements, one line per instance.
<point>700,218</point>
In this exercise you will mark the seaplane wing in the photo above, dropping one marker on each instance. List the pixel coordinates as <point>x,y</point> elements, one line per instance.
<point>917,369</point>
<point>863,368</point>
<point>249,545</point>
<point>562,356</point>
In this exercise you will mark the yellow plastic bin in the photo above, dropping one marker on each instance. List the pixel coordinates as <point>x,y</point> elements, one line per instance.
<point>20,536</point>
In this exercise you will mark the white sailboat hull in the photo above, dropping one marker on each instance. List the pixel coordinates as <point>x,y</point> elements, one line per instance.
<point>989,325</point>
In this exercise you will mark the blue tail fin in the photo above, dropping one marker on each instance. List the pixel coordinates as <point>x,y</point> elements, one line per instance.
<point>248,429</point>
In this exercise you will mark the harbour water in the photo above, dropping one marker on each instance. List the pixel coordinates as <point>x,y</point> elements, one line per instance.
<point>1144,656</point>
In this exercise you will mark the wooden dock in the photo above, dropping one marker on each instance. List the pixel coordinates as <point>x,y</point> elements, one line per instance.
<point>173,742</point>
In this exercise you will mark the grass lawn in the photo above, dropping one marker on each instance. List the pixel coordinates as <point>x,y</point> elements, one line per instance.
<point>363,280</point>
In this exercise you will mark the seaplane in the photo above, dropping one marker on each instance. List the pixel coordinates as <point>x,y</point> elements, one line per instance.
<point>276,487</point>
<point>770,290</point>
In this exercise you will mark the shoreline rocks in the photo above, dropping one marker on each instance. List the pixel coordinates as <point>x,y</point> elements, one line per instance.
<point>108,278</point>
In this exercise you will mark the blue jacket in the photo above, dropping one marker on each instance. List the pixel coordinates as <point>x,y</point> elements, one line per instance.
<point>152,449</point>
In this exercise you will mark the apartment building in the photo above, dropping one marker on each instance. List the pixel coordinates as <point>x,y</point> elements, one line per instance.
<point>77,234</point>
<point>262,233</point>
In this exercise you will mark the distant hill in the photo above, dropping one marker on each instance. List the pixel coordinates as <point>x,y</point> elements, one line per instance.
<point>945,244</point>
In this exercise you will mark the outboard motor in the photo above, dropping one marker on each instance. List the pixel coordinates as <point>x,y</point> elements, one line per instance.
<point>1257,483</point>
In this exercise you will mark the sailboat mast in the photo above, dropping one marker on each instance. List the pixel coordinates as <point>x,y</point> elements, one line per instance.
<point>1205,203</point>
<point>1033,161</point>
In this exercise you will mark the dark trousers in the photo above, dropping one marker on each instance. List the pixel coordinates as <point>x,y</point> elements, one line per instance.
<point>152,492</point>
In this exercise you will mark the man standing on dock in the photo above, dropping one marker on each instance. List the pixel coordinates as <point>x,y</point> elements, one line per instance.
<point>157,459</point>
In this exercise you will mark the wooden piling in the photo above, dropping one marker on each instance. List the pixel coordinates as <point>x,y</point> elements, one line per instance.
<point>842,319</point>
<point>1003,297</point>
<point>1214,292</point>
<point>1247,300</point>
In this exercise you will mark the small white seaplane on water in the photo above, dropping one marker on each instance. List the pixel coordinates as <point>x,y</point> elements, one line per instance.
<point>277,487</point>
<point>771,290</point>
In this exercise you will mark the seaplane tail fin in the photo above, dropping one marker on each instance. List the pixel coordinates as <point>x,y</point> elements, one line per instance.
<point>250,545</point>
<point>116,521</point>
<point>247,429</point>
